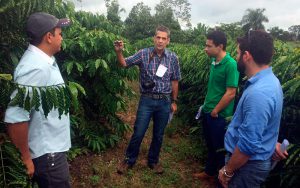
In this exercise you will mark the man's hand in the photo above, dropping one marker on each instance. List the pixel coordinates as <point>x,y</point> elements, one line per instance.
<point>223,179</point>
<point>214,113</point>
<point>278,155</point>
<point>119,45</point>
<point>173,107</point>
<point>29,166</point>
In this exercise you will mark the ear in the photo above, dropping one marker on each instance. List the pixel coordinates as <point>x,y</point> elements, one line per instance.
<point>48,37</point>
<point>247,56</point>
<point>221,46</point>
<point>168,40</point>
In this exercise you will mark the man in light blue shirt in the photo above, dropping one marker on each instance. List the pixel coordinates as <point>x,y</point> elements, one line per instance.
<point>252,134</point>
<point>42,141</point>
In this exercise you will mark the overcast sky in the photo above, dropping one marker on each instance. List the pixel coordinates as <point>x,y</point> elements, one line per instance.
<point>281,13</point>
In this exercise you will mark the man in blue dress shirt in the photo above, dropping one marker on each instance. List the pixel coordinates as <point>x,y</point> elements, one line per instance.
<point>251,136</point>
<point>42,141</point>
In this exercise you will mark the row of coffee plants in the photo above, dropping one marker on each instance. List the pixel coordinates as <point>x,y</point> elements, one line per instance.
<point>286,65</point>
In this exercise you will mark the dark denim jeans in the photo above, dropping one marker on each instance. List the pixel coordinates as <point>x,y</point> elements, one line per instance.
<point>214,130</point>
<point>51,171</point>
<point>159,110</point>
<point>251,175</point>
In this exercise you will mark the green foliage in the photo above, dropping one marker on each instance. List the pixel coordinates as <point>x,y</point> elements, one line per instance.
<point>181,10</point>
<point>280,34</point>
<point>232,30</point>
<point>196,36</point>
<point>75,152</point>
<point>92,21</point>
<point>291,177</point>
<point>140,23</point>
<point>13,14</point>
<point>113,11</point>
<point>48,97</point>
<point>164,16</point>
<point>90,61</point>
<point>91,69</point>
<point>12,170</point>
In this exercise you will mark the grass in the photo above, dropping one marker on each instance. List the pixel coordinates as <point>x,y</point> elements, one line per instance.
<point>294,44</point>
<point>179,157</point>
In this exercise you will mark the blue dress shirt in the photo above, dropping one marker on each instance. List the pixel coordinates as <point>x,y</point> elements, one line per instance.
<point>255,124</point>
<point>148,62</point>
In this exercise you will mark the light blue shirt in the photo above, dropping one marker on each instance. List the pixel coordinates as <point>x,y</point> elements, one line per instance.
<point>255,124</point>
<point>46,135</point>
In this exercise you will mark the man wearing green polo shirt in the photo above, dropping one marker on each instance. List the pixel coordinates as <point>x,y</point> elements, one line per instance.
<point>219,102</point>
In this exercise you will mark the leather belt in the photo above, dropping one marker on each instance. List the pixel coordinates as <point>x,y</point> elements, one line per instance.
<point>157,95</point>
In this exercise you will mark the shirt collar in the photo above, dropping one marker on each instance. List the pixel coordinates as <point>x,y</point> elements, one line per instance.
<point>165,52</point>
<point>48,59</point>
<point>224,60</point>
<point>259,75</point>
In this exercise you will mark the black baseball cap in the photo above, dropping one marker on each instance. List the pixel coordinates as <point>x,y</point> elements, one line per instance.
<point>40,23</point>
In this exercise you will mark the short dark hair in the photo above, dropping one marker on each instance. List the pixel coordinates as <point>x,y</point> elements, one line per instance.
<point>259,44</point>
<point>163,28</point>
<point>37,41</point>
<point>218,37</point>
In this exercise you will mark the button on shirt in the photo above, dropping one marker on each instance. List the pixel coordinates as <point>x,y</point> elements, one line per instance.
<point>46,135</point>
<point>255,125</point>
<point>148,62</point>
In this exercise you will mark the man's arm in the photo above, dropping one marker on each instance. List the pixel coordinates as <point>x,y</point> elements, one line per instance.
<point>236,161</point>
<point>18,133</point>
<point>119,45</point>
<point>225,100</point>
<point>174,95</point>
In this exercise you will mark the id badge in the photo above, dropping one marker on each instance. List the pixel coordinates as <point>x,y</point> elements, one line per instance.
<point>161,70</point>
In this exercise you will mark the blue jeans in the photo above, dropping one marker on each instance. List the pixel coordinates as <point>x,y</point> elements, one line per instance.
<point>214,131</point>
<point>251,175</point>
<point>159,110</point>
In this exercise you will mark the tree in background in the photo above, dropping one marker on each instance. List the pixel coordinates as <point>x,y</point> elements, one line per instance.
<point>280,34</point>
<point>197,35</point>
<point>253,19</point>
<point>295,29</point>
<point>139,24</point>
<point>232,30</point>
<point>164,16</point>
<point>113,11</point>
<point>181,10</point>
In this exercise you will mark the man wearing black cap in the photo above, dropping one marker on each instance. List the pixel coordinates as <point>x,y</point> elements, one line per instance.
<point>42,141</point>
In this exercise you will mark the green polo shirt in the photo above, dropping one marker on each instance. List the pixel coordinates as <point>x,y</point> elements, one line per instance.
<point>222,75</point>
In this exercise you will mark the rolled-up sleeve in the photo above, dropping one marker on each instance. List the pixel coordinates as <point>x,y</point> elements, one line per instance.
<point>135,59</point>
<point>256,116</point>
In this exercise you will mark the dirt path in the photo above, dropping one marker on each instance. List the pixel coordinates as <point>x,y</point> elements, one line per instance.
<point>99,170</point>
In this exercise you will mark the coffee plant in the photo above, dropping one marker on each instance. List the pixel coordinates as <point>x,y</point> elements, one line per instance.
<point>96,87</point>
